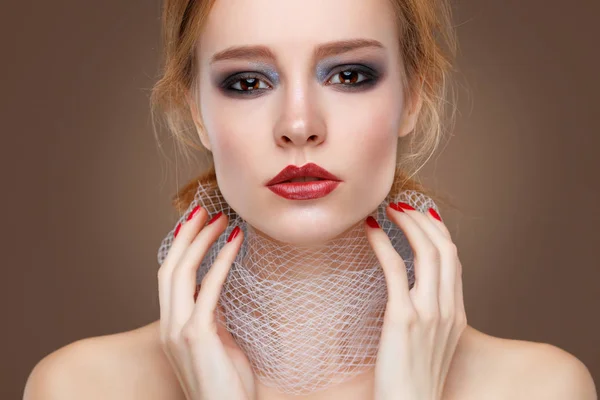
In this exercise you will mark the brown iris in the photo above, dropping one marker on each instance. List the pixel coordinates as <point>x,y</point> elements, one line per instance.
<point>249,84</point>
<point>348,76</point>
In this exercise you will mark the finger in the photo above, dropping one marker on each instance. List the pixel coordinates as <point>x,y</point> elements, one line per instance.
<point>204,312</point>
<point>224,335</point>
<point>193,222</point>
<point>458,292</point>
<point>450,291</point>
<point>430,222</point>
<point>426,259</point>
<point>184,274</point>
<point>438,222</point>
<point>429,225</point>
<point>391,262</point>
<point>184,233</point>
<point>437,233</point>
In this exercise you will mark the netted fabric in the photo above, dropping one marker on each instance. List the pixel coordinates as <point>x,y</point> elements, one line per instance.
<point>305,318</point>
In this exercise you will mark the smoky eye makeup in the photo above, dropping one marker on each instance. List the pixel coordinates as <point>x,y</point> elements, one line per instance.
<point>350,77</point>
<point>343,76</point>
<point>248,81</point>
<point>325,69</point>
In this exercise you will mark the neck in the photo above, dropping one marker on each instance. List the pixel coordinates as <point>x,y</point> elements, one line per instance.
<point>312,311</point>
<point>275,260</point>
<point>307,317</point>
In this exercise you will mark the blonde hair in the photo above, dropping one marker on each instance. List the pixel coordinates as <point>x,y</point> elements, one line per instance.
<point>427,43</point>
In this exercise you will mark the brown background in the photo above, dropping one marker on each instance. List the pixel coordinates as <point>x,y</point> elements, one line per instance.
<point>86,192</point>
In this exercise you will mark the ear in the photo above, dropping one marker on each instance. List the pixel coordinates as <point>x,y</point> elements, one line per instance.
<point>198,121</point>
<point>410,114</point>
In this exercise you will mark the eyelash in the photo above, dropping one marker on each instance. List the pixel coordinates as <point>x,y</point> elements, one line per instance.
<point>370,77</point>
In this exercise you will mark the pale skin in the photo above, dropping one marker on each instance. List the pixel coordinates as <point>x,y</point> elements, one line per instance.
<point>303,113</point>
<point>420,331</point>
<point>139,364</point>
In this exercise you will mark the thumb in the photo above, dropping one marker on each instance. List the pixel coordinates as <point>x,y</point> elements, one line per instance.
<point>222,331</point>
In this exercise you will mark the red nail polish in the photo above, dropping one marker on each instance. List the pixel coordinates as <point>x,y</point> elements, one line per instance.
<point>233,234</point>
<point>435,214</point>
<point>371,222</point>
<point>396,207</point>
<point>196,292</point>
<point>193,213</point>
<point>216,217</point>
<point>406,206</point>
<point>177,229</point>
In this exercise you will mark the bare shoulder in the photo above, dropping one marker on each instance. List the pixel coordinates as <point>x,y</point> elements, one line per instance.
<point>132,365</point>
<point>127,365</point>
<point>544,371</point>
<point>497,368</point>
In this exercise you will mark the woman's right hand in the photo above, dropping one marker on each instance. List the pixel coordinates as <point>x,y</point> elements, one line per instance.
<point>208,363</point>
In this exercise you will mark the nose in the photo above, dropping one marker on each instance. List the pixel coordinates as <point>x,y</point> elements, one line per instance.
<point>300,121</point>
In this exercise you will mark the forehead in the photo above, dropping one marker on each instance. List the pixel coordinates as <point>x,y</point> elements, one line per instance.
<point>291,26</point>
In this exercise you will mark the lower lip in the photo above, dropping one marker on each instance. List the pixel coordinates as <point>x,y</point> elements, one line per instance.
<point>304,190</point>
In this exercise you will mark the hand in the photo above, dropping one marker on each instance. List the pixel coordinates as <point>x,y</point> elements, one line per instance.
<point>208,363</point>
<point>421,327</point>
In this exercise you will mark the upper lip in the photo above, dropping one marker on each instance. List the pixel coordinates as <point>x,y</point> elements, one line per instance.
<point>307,170</point>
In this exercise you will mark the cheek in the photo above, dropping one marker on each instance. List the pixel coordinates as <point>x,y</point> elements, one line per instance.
<point>379,135</point>
<point>229,152</point>
<point>372,147</point>
<point>231,131</point>
<point>376,157</point>
<point>230,162</point>
<point>237,139</point>
<point>370,134</point>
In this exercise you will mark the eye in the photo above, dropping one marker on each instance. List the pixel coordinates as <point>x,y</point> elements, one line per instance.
<point>247,84</point>
<point>349,77</point>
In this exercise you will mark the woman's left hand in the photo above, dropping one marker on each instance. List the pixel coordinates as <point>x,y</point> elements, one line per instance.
<point>421,326</point>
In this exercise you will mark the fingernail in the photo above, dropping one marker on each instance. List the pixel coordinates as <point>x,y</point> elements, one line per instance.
<point>434,214</point>
<point>196,292</point>
<point>396,207</point>
<point>405,206</point>
<point>194,212</point>
<point>371,222</point>
<point>177,229</point>
<point>233,234</point>
<point>216,217</point>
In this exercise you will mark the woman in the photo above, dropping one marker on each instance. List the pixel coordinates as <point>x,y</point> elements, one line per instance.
<point>351,93</point>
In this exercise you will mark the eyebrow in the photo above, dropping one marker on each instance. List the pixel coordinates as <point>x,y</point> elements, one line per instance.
<point>263,52</point>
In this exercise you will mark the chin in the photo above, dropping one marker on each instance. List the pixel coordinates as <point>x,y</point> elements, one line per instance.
<point>305,230</point>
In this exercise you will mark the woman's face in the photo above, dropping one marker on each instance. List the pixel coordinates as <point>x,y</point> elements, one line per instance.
<point>278,86</point>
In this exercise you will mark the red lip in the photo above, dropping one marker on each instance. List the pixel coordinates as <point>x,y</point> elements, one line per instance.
<point>309,170</point>
<point>303,190</point>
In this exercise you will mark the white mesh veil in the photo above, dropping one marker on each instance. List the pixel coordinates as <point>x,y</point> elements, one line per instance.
<point>304,329</point>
